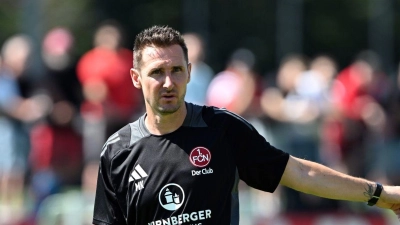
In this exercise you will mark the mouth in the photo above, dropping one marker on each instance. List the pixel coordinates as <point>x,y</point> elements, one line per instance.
<point>168,96</point>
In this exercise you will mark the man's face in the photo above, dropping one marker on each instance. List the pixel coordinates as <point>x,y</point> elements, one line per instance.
<point>163,76</point>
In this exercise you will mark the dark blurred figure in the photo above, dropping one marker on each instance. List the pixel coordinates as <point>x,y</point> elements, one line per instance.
<point>279,101</point>
<point>17,112</point>
<point>110,100</point>
<point>293,109</point>
<point>201,74</point>
<point>286,108</point>
<point>60,64</point>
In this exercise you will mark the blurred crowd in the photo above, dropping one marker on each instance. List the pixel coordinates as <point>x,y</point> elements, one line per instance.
<point>54,121</point>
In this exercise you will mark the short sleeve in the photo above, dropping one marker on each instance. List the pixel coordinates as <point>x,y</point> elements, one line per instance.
<point>259,164</point>
<point>106,208</point>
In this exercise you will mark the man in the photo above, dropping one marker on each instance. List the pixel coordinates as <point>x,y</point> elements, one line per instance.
<point>180,163</point>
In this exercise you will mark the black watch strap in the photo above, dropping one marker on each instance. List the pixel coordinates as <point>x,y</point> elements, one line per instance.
<point>376,196</point>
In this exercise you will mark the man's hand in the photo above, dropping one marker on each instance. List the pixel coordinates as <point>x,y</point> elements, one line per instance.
<point>390,199</point>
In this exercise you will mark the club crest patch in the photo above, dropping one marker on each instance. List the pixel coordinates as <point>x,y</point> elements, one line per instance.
<point>200,156</point>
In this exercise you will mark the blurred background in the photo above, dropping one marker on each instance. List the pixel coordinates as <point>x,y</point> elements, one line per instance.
<point>318,79</point>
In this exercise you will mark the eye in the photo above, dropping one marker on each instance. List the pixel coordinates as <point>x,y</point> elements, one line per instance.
<point>156,71</point>
<point>176,69</point>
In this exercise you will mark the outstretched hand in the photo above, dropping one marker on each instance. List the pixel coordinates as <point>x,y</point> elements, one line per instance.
<point>390,199</point>
<point>397,211</point>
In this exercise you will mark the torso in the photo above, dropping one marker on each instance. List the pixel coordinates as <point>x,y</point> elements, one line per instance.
<point>188,176</point>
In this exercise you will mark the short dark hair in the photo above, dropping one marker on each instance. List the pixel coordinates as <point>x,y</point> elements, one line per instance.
<point>158,36</point>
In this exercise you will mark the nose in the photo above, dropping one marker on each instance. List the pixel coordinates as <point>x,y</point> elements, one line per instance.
<point>168,83</point>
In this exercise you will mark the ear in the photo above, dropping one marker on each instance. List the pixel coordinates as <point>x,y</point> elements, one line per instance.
<point>135,76</point>
<point>189,67</point>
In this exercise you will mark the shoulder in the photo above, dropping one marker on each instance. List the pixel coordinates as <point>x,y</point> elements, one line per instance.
<point>123,139</point>
<point>223,117</point>
<point>117,141</point>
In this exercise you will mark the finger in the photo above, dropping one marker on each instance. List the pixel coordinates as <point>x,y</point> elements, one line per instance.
<point>397,211</point>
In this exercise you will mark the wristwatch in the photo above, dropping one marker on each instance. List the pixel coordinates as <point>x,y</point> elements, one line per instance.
<point>376,195</point>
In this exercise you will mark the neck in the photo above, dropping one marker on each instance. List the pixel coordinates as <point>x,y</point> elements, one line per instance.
<point>160,124</point>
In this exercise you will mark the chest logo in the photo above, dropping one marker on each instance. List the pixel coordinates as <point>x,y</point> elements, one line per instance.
<point>137,176</point>
<point>200,157</point>
<point>171,197</point>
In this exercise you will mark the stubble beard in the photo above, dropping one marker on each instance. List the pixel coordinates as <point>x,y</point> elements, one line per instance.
<point>169,108</point>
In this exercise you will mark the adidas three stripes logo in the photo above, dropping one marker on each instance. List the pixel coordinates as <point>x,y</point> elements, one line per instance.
<point>137,174</point>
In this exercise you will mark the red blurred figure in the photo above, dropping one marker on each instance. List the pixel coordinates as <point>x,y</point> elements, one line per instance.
<point>110,98</point>
<point>104,74</point>
<point>235,87</point>
<point>56,146</point>
<point>354,114</point>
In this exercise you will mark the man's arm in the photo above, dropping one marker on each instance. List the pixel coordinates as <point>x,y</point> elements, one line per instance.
<point>316,179</point>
